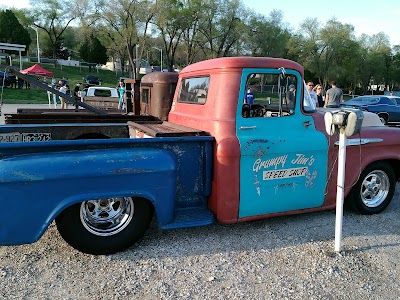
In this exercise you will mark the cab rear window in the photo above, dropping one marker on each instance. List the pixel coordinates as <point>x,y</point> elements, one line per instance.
<point>194,90</point>
<point>102,93</point>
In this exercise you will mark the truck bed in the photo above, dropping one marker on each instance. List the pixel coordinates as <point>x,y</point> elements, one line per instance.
<point>51,116</point>
<point>165,129</point>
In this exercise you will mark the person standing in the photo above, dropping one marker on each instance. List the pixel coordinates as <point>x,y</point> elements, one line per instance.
<point>333,96</point>
<point>320,97</point>
<point>121,90</point>
<point>76,94</point>
<point>290,96</point>
<point>63,89</point>
<point>313,95</point>
<point>249,97</point>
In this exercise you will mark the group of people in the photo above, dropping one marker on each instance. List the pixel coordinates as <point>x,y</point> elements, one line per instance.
<point>63,87</point>
<point>333,96</point>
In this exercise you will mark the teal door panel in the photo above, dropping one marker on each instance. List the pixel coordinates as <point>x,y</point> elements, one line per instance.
<point>283,164</point>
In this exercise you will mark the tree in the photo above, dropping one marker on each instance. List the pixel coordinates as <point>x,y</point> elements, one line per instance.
<point>126,24</point>
<point>53,17</point>
<point>395,80</point>
<point>220,27</point>
<point>93,51</point>
<point>324,52</point>
<point>266,36</point>
<point>190,44</point>
<point>172,20</point>
<point>12,31</point>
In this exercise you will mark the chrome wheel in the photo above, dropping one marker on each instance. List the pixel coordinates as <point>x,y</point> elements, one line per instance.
<point>106,217</point>
<point>375,188</point>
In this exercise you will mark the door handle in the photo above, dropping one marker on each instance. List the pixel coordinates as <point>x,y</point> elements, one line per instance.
<point>247,127</point>
<point>306,124</point>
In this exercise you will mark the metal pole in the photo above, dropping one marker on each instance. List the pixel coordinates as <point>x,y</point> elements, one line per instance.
<point>161,59</point>
<point>37,43</point>
<point>20,60</point>
<point>137,63</point>
<point>340,190</point>
<point>38,49</point>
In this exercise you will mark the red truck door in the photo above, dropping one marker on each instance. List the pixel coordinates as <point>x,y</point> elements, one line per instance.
<point>283,164</point>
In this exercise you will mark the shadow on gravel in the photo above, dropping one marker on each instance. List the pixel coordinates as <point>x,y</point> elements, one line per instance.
<point>359,232</point>
<point>380,246</point>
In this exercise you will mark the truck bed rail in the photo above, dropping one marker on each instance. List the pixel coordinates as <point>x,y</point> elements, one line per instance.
<point>164,129</point>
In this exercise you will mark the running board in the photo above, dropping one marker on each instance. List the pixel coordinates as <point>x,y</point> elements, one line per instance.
<point>190,217</point>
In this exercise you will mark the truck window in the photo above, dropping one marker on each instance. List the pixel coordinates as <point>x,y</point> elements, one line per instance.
<point>269,95</point>
<point>194,90</point>
<point>102,93</point>
<point>145,95</point>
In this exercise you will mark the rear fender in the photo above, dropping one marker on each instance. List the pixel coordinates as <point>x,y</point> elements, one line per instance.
<point>35,188</point>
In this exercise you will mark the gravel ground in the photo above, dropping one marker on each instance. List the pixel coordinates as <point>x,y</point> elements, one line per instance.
<point>280,258</point>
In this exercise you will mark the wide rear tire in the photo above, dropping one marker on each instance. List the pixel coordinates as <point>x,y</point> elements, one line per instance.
<point>105,226</point>
<point>374,190</point>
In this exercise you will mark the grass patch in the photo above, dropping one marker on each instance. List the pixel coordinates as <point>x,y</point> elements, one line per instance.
<point>26,96</point>
<point>74,74</point>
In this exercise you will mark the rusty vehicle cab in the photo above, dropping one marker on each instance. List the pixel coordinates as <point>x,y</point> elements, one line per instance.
<point>157,91</point>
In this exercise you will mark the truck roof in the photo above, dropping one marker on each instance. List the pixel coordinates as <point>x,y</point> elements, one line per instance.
<point>102,91</point>
<point>242,62</point>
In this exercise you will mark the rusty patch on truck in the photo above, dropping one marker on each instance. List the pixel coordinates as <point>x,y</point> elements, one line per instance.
<point>290,185</point>
<point>250,143</point>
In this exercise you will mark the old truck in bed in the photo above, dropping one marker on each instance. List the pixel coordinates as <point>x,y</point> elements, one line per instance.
<point>148,99</point>
<point>217,158</point>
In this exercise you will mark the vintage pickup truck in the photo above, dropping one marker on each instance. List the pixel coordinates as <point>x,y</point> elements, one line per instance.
<point>101,97</point>
<point>216,158</point>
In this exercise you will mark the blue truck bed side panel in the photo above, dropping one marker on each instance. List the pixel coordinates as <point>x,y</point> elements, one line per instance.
<point>39,180</point>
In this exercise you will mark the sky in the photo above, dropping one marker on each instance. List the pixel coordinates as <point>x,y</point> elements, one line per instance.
<point>369,17</point>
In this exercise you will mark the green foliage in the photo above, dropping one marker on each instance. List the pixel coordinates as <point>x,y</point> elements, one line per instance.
<point>267,37</point>
<point>12,31</point>
<point>53,17</point>
<point>93,51</point>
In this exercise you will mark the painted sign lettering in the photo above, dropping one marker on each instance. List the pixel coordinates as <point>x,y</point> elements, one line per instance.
<point>285,173</point>
<point>273,162</point>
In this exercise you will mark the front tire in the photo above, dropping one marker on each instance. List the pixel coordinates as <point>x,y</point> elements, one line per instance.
<point>105,226</point>
<point>374,190</point>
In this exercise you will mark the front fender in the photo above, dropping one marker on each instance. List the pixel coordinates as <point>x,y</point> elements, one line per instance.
<point>35,188</point>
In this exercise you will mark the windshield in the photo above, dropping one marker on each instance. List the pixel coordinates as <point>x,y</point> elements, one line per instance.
<point>308,103</point>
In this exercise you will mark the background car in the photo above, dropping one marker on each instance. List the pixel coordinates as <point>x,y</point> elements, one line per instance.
<point>386,107</point>
<point>92,80</point>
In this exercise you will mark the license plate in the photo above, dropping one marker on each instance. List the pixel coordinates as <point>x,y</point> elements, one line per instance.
<point>10,137</point>
<point>24,137</point>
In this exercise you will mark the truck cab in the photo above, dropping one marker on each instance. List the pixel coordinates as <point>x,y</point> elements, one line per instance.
<point>273,156</point>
